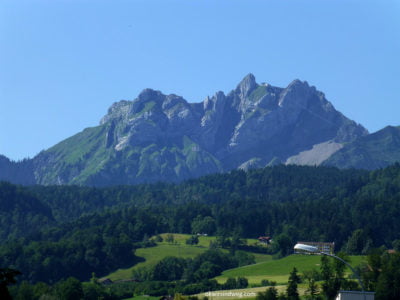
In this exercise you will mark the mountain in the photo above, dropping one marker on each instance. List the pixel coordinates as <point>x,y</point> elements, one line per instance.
<point>159,137</point>
<point>373,151</point>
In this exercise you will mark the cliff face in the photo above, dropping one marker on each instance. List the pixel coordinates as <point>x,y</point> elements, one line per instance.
<point>159,137</point>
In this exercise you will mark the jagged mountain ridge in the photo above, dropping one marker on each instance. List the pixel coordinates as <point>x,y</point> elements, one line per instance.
<point>159,137</point>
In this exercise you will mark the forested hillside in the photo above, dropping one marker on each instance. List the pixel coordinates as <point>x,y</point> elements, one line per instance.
<point>21,213</point>
<point>95,230</point>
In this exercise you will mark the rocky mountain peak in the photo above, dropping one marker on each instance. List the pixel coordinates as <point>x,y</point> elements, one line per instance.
<point>298,93</point>
<point>159,137</point>
<point>216,102</point>
<point>246,86</point>
<point>297,83</point>
<point>172,101</point>
<point>117,111</point>
<point>148,95</point>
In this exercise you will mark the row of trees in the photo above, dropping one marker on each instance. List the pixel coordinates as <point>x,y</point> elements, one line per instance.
<point>204,266</point>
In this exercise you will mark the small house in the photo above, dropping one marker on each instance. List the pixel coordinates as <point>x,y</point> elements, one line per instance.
<point>264,240</point>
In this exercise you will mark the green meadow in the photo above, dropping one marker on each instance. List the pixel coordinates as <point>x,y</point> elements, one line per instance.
<point>264,268</point>
<point>278,270</point>
<point>178,248</point>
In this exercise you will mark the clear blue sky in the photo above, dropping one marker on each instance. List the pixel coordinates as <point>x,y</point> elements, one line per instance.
<point>63,63</point>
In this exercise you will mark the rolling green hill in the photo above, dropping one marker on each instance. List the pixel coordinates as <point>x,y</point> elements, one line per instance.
<point>178,248</point>
<point>278,270</point>
<point>153,255</point>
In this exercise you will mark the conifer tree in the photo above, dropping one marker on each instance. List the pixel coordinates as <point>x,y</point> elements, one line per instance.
<point>291,290</point>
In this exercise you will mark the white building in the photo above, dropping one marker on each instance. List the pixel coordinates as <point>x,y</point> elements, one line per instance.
<point>355,295</point>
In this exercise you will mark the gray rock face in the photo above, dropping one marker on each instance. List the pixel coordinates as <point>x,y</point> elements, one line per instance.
<point>315,156</point>
<point>163,137</point>
<point>246,86</point>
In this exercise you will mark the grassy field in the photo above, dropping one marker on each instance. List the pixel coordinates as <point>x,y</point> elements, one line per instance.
<point>265,268</point>
<point>203,240</point>
<point>179,248</point>
<point>278,270</point>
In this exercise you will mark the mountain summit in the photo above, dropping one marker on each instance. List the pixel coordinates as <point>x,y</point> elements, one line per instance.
<point>159,137</point>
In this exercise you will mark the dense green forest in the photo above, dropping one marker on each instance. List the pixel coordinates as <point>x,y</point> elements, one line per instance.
<point>53,232</point>
<point>278,185</point>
